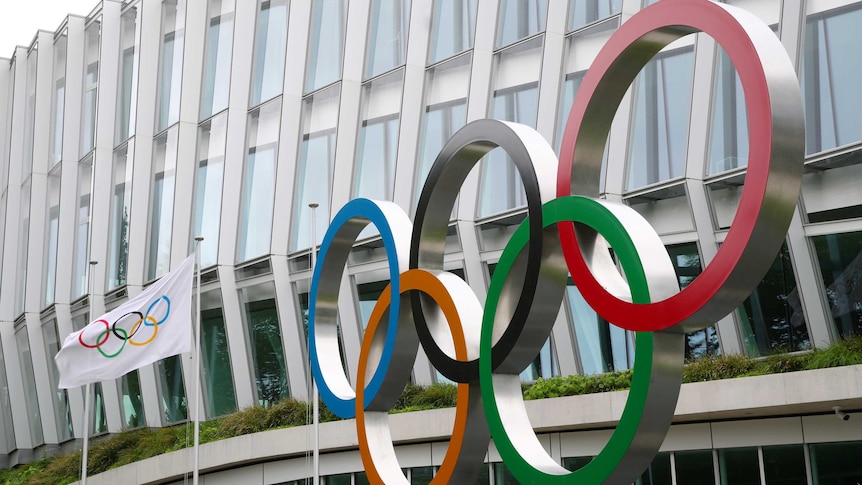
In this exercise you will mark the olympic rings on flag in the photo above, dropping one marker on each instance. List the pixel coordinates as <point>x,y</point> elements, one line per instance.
<point>567,234</point>
<point>122,334</point>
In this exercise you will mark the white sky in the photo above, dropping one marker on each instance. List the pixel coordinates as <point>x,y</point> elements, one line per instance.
<point>20,19</point>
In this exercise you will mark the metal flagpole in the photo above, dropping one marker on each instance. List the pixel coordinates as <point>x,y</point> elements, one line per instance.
<point>314,396</point>
<point>195,474</point>
<point>87,392</point>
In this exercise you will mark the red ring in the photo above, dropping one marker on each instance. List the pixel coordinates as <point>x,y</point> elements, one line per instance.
<point>98,344</point>
<point>671,16</point>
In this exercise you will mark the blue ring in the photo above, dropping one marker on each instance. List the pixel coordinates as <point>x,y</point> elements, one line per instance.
<point>366,209</point>
<point>168,312</point>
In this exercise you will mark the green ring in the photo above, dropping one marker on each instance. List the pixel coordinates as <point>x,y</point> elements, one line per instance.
<point>589,212</point>
<point>125,338</point>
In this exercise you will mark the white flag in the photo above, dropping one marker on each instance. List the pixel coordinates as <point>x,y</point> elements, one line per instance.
<point>151,326</point>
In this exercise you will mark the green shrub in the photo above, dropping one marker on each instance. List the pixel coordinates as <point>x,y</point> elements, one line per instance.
<point>845,352</point>
<point>720,367</point>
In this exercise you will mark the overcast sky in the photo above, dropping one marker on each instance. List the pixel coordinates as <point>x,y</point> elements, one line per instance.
<point>20,19</point>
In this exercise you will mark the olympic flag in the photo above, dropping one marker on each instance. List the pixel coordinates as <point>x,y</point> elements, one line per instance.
<point>151,326</point>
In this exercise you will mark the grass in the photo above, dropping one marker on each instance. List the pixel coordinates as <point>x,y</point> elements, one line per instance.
<point>131,446</point>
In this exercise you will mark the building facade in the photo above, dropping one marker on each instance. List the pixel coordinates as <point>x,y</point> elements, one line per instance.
<point>128,132</point>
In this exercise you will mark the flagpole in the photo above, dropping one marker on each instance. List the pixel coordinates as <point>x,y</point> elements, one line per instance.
<point>196,473</point>
<point>314,397</point>
<point>87,390</point>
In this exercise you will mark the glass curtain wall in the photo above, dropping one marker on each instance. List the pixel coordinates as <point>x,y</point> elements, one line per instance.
<point>62,411</point>
<point>82,228</point>
<point>602,347</point>
<point>217,60</point>
<point>377,147</point>
<point>121,206</point>
<point>258,190</point>
<point>8,433</point>
<point>212,136</point>
<point>49,282</point>
<point>519,19</point>
<point>171,67</point>
<point>220,396</point>
<point>30,110</point>
<point>585,12</point>
<point>263,332</point>
<point>389,24</point>
<point>23,247</point>
<point>269,50</point>
<point>132,402</point>
<point>840,260</point>
<point>728,144</point>
<point>162,209</point>
<point>98,420</point>
<point>127,92</point>
<point>92,38</point>
<point>316,166</point>
<point>453,28</point>
<point>31,399</point>
<point>58,101</point>
<point>686,263</point>
<point>325,43</point>
<point>175,406</point>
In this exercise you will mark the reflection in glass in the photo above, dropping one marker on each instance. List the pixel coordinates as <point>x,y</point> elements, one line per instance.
<point>171,68</point>
<point>583,12</point>
<point>519,19</point>
<point>387,36</point>
<point>771,318</point>
<point>173,394</point>
<point>452,28</point>
<point>58,102</point>
<point>258,190</point>
<point>571,84</point>
<point>831,73</point>
<point>98,419</point>
<point>52,238</point>
<point>208,186</point>
<point>269,50</point>
<point>601,346</point>
<point>784,465</point>
<point>575,463</point>
<point>82,228</point>
<point>219,46</point>
<point>132,404</point>
<point>91,87</point>
<point>686,262</point>
<point>162,209</point>
<point>739,466</point>
<point>121,202</point>
<point>303,314</point>
<point>728,145</point>
<point>378,138</point>
<point>658,472</point>
<point>264,337</point>
<point>421,475</point>
<point>62,410</point>
<point>31,399</point>
<point>325,43</point>
<point>836,463</point>
<point>316,166</point>
<point>840,258</point>
<point>661,112</point>
<point>23,245</point>
<point>215,358</point>
<point>127,92</point>
<point>694,467</point>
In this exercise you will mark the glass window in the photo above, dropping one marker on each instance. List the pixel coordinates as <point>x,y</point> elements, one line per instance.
<point>502,475</point>
<point>739,466</point>
<point>662,109</point>
<point>303,315</point>
<point>571,84</point>
<point>215,357</point>
<point>387,36</point>
<point>269,50</point>
<point>219,46</point>
<point>453,27</point>
<point>686,263</point>
<point>728,143</point>
<point>162,200</point>
<point>421,475</point>
<point>377,148</point>
<point>445,112</point>
<point>584,12</point>
<point>342,479</point>
<point>175,407</point>
<point>602,347</point>
<point>91,87</point>
<point>128,89</point>
<point>98,420</point>
<point>23,243</point>
<point>840,258</point>
<point>132,407</point>
<point>771,318</point>
<point>264,337</point>
<point>31,399</point>
<point>258,191</point>
<point>30,113</point>
<point>658,472</point>
<point>694,467</point>
<point>49,283</point>
<point>836,463</point>
<point>785,465</point>
<point>368,294</point>
<point>8,433</point>
<point>325,43</point>
<point>519,19</point>
<point>58,102</point>
<point>316,166</point>
<point>208,186</point>
<point>82,228</point>
<point>171,68</point>
<point>62,411</point>
<point>121,206</point>
<point>831,73</point>
<point>575,463</point>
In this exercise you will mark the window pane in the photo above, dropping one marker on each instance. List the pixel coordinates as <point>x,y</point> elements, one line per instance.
<point>771,318</point>
<point>216,82</point>
<point>325,43</point>
<point>98,419</point>
<point>694,467</point>
<point>91,87</point>
<point>82,228</point>
<point>837,463</point>
<point>51,238</point>
<point>162,209</point>
<point>502,475</point>
<point>121,202</point>
<point>132,406</point>
<point>128,89</point>
<point>840,258</point>
<point>602,347</point>
<point>387,36</point>
<point>8,433</point>
<point>421,475</point>
<point>23,246</point>
<point>174,404</point>
<point>316,166</point>
<point>658,472</point>
<point>62,411</point>
<point>452,28</point>
<point>686,263</point>
<point>519,19</point>
<point>661,113</point>
<point>58,101</point>
<point>31,399</point>
<point>378,138</point>
<point>171,68</point>
<point>215,357</point>
<point>30,113</point>
<point>208,186</point>
<point>728,145</point>
<point>739,466</point>
<point>785,465</point>
<point>583,12</point>
<point>269,50</point>
<point>264,337</point>
<point>831,73</point>
<point>258,191</point>
<point>343,479</point>
<point>575,463</point>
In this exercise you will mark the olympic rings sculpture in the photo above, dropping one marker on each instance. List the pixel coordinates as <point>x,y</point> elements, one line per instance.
<point>484,348</point>
<point>117,330</point>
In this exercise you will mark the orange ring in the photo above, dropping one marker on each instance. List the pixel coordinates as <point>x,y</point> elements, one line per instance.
<point>152,337</point>
<point>426,282</point>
